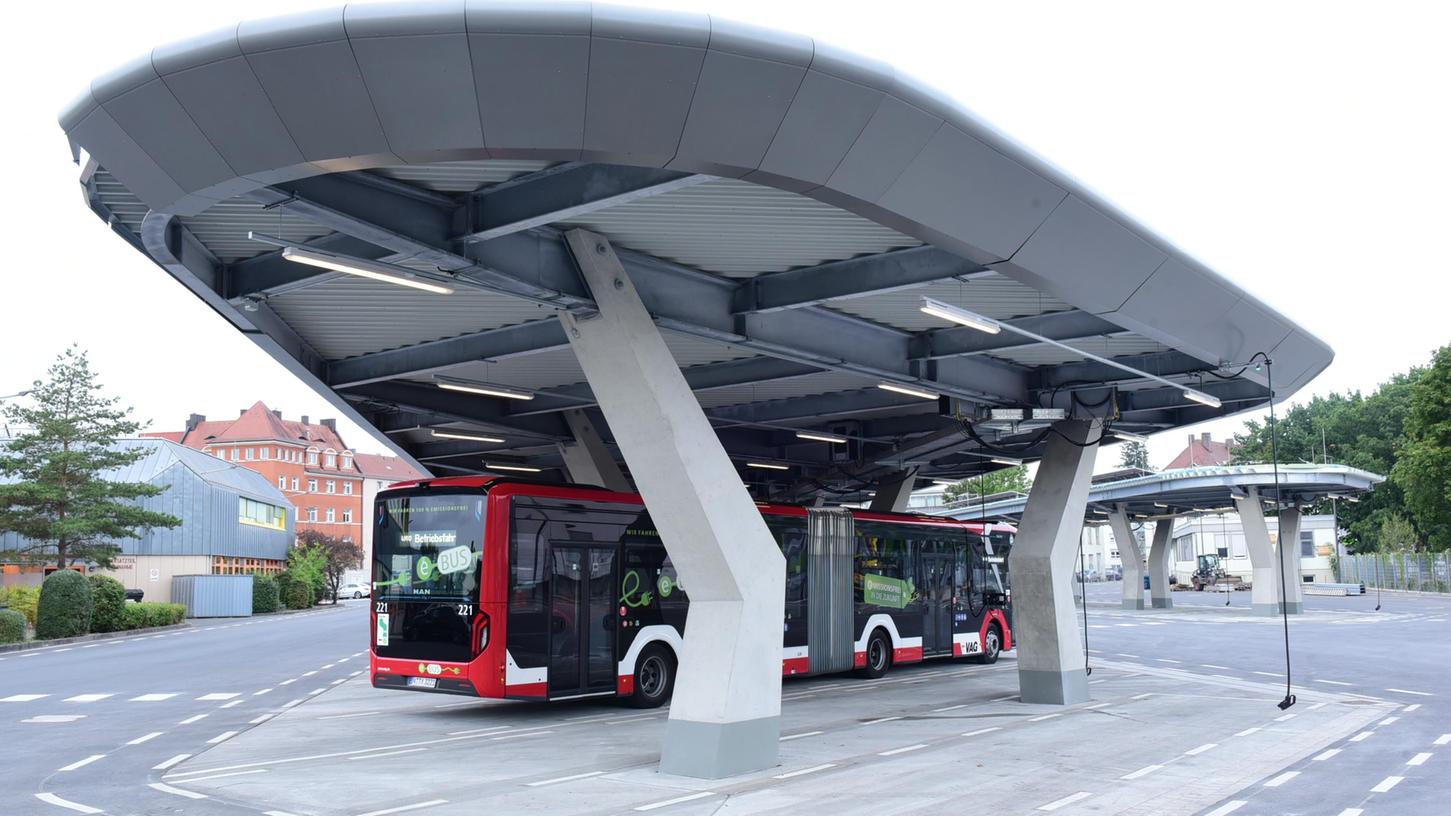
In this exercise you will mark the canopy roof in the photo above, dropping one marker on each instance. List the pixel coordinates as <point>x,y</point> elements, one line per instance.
<point>781,205</point>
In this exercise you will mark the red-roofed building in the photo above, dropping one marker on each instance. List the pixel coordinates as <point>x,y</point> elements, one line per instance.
<point>1202,451</point>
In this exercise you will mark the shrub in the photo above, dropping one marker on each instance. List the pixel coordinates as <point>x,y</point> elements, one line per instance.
<point>65,606</point>
<point>110,599</point>
<point>298,595</point>
<point>309,565</point>
<point>266,595</point>
<point>12,626</point>
<point>147,615</point>
<point>132,617</point>
<point>23,599</point>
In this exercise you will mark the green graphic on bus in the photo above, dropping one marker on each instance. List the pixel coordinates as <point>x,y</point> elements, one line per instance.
<point>883,591</point>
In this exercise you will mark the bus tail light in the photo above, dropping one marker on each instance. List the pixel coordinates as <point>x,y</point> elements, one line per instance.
<point>483,628</point>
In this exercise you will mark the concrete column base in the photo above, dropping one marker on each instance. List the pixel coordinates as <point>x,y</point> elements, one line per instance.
<point>708,750</point>
<point>1163,603</point>
<point>1275,608</point>
<point>1132,603</point>
<point>1053,688</point>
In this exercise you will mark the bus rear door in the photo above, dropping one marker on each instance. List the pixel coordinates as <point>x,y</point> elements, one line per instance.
<point>583,620</point>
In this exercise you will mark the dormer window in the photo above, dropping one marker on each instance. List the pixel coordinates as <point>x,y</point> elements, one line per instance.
<point>330,459</point>
<point>312,456</point>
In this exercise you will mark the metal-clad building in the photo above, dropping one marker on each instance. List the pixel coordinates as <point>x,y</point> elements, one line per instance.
<point>233,520</point>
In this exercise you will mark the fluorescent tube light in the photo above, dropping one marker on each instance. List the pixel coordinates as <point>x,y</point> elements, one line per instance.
<point>469,437</point>
<point>1003,460</point>
<point>1128,436</point>
<point>1165,506</point>
<point>946,481</point>
<point>909,391</point>
<point>962,317</point>
<point>373,270</point>
<point>821,437</point>
<point>486,390</point>
<point>1202,398</point>
<point>765,466</point>
<point>519,468</point>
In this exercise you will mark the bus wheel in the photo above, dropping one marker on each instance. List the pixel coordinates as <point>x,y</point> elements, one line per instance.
<point>654,677</point>
<point>879,656</point>
<point>992,646</point>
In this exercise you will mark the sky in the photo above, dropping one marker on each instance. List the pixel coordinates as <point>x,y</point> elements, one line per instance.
<point>1300,149</point>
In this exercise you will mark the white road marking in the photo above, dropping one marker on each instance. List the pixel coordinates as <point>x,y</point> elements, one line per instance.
<point>1444,739</point>
<point>259,720</point>
<point>1419,759</point>
<point>491,730</point>
<point>170,762</point>
<point>165,788</point>
<point>260,693</point>
<point>1317,706</point>
<point>1412,707</point>
<point>1408,691</point>
<point>1003,699</point>
<point>220,695</point>
<point>221,775</point>
<point>1268,674</point>
<point>192,719</point>
<point>153,735</point>
<point>1386,784</point>
<point>1324,755</point>
<point>1351,812</point>
<point>1167,660</point>
<point>1065,801</point>
<point>285,682</point>
<point>880,720</point>
<point>983,731</point>
<point>93,757</point>
<point>316,691</point>
<point>222,737</point>
<point>556,780</point>
<point>1334,682</point>
<point>22,698</point>
<point>1281,779</point>
<point>88,698</point>
<point>152,698</point>
<point>804,771</point>
<point>52,799</point>
<point>521,734</point>
<point>387,754</point>
<point>1201,749</point>
<point>231,704</point>
<point>54,718</point>
<point>291,703</point>
<point>1389,720</point>
<point>1143,696</point>
<point>919,746</point>
<point>949,708</point>
<point>802,734</point>
<point>668,802</point>
<point>1095,705</point>
<point>1247,731</point>
<point>277,813</point>
<point>1125,654</point>
<point>1212,666</point>
<point>1364,735</point>
<point>1284,717</point>
<point>1042,717</point>
<point>346,716</point>
<point>1226,808</point>
<point>309,674</point>
<point>1144,771</point>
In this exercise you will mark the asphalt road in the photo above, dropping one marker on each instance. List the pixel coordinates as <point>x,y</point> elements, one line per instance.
<point>91,727</point>
<point>1400,654</point>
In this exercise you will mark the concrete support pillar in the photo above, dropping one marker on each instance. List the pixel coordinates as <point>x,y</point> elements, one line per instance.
<point>1289,553</point>
<point>1130,555</point>
<point>1265,581</point>
<point>1050,656</point>
<point>1160,556</point>
<point>587,458</point>
<point>725,717</point>
<point>894,492</point>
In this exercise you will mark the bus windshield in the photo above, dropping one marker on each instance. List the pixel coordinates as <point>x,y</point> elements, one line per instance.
<point>428,547</point>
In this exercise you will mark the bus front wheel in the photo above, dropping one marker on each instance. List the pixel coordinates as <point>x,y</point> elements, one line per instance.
<point>654,677</point>
<point>879,656</point>
<point>992,645</point>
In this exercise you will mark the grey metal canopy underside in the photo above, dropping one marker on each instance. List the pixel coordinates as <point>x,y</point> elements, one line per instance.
<point>780,205</point>
<point>1200,491</point>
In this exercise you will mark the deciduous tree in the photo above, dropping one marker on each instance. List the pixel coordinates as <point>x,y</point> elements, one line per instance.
<point>336,556</point>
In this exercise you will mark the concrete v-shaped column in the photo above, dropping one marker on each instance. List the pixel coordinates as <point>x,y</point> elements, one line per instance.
<point>1160,596</point>
<point>587,458</point>
<point>1050,657</point>
<point>1265,580</point>
<point>1289,552</point>
<point>725,717</point>
<point>1130,555</point>
<point>894,492</point>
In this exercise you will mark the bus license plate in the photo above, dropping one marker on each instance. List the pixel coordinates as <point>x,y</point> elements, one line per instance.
<point>422,682</point>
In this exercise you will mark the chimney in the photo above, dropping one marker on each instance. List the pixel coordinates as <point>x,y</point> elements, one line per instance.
<point>331,424</point>
<point>304,419</point>
<point>193,421</point>
<point>1205,436</point>
<point>277,412</point>
<point>242,412</point>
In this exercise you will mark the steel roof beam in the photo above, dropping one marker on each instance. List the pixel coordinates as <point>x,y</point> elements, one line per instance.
<point>1163,364</point>
<point>700,378</point>
<point>855,277</point>
<point>437,355</point>
<point>568,194</point>
<point>456,407</point>
<point>270,274</point>
<point>1066,326</point>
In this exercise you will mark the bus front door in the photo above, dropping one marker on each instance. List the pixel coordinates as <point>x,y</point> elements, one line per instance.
<point>583,621</point>
<point>937,572</point>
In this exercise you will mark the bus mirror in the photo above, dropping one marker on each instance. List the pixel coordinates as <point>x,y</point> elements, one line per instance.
<point>997,599</point>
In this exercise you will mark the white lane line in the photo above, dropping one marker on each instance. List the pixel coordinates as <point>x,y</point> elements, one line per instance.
<point>1412,707</point>
<point>983,731</point>
<point>919,746</point>
<point>802,734</point>
<point>22,698</point>
<point>1043,717</point>
<point>1389,720</point>
<point>1201,749</point>
<point>285,682</point>
<point>232,704</point>
<point>1324,755</point>
<point>54,718</point>
<point>170,762</point>
<point>402,808</point>
<point>1095,705</point>
<point>222,737</point>
<point>1317,707</point>
<point>490,730</point>
<point>165,788</point>
<point>805,771</point>
<point>1065,801</point>
<point>1408,691</point>
<point>1122,654</point>
<point>558,779</point>
<point>88,698</point>
<point>1284,717</point>
<point>1212,666</point>
<point>386,754</point>
<point>309,674</point>
<point>1364,735</point>
<point>192,719</point>
<point>52,799</point>
<point>1387,783</point>
<point>260,693</point>
<point>1281,779</point>
<point>93,757</point>
<point>677,800</point>
<point>880,720</point>
<point>516,736</point>
<point>1419,759</point>
<point>222,775</point>
<point>1444,739</point>
<point>1351,812</point>
<point>316,691</point>
<point>1143,696</point>
<point>220,695</point>
<point>259,720</point>
<point>1334,682</point>
<point>949,708</point>
<point>346,716</point>
<point>152,698</point>
<point>1167,660</point>
<point>1144,771</point>
<point>1226,808</point>
<point>153,735</point>
<point>1268,674</point>
<point>1247,731</point>
<point>291,703</point>
<point>1003,699</point>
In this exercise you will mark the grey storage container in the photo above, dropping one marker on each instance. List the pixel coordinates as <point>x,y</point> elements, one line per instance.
<point>213,596</point>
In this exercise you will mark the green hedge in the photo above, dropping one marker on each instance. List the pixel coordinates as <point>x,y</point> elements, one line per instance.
<point>23,599</point>
<point>147,615</point>
<point>65,606</point>
<point>12,626</point>
<point>266,597</point>
<point>297,594</point>
<point>110,604</point>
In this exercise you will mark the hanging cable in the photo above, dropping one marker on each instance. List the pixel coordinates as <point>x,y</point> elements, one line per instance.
<point>1279,527</point>
<point>1229,548</point>
<point>1083,593</point>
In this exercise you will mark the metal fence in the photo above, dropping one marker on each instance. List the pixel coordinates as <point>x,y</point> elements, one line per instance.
<point>1418,572</point>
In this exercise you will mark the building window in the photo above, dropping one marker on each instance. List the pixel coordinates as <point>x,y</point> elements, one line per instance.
<point>234,454</point>
<point>347,462</point>
<point>347,516</point>
<point>266,454</point>
<point>332,515</point>
<point>330,460</point>
<point>261,514</point>
<point>251,454</point>
<point>312,485</point>
<point>294,483</point>
<point>312,457</point>
<point>1307,544</point>
<point>1185,545</point>
<point>347,488</point>
<point>332,486</point>
<point>312,514</point>
<point>281,482</point>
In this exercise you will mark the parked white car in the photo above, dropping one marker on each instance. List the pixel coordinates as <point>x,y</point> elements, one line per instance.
<point>354,590</point>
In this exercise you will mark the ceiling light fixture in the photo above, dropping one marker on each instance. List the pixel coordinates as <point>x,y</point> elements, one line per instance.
<point>908,390</point>
<point>467,437</point>
<point>483,388</point>
<point>1158,504</point>
<point>1202,398</point>
<point>765,466</point>
<point>373,270</point>
<point>1128,436</point>
<point>821,437</point>
<point>962,317</point>
<point>1003,460</point>
<point>946,481</point>
<point>519,468</point>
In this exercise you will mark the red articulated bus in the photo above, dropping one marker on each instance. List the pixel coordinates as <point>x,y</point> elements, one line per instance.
<point>507,588</point>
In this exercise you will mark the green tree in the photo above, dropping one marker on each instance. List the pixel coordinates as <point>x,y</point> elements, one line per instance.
<point>1013,479</point>
<point>336,556</point>
<point>1133,454</point>
<point>1423,470</point>
<point>1397,534</point>
<point>307,563</point>
<point>58,499</point>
